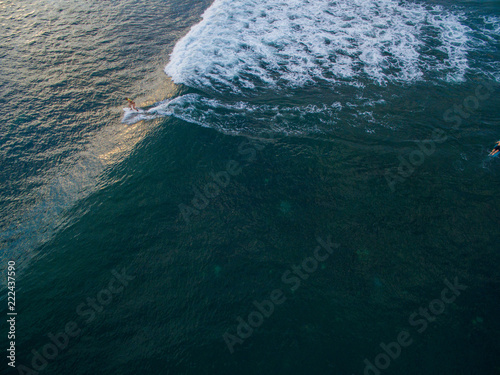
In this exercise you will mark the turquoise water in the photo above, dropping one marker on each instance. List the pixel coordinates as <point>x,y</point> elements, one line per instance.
<point>268,128</point>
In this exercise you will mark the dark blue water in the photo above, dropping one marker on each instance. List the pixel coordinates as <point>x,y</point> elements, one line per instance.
<point>307,184</point>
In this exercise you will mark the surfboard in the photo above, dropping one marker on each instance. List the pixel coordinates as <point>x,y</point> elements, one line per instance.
<point>130,110</point>
<point>496,155</point>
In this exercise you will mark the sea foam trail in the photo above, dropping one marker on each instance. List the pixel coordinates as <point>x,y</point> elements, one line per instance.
<point>235,117</point>
<point>244,45</point>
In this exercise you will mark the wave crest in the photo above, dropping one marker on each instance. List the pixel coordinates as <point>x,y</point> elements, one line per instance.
<point>241,46</point>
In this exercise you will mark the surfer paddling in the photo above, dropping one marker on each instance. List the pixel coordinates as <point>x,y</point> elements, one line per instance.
<point>496,149</point>
<point>131,104</point>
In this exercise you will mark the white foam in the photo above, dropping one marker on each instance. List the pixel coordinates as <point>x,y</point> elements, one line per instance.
<point>234,118</point>
<point>243,45</point>
<point>249,47</point>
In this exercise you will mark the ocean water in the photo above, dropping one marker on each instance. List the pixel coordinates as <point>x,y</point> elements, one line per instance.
<point>306,189</point>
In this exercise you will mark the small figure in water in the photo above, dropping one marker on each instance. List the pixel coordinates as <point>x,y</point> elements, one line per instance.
<point>131,104</point>
<point>496,149</point>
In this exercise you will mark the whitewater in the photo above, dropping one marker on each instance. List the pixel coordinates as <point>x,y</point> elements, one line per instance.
<point>245,50</point>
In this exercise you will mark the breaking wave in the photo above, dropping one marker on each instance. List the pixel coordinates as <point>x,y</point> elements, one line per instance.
<point>341,54</point>
<point>242,46</point>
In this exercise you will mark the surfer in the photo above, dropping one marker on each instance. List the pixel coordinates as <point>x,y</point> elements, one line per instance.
<point>496,149</point>
<point>131,104</point>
